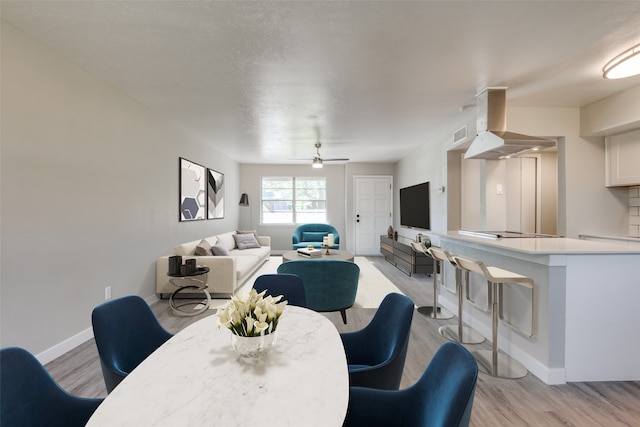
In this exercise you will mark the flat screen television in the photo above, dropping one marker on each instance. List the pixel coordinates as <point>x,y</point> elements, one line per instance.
<point>414,206</point>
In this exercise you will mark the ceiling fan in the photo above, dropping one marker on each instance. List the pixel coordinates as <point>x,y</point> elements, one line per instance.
<point>317,160</point>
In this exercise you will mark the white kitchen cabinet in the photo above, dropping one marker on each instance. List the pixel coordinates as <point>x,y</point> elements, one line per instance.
<point>623,159</point>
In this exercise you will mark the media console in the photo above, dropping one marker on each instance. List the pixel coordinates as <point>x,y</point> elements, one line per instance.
<point>404,257</point>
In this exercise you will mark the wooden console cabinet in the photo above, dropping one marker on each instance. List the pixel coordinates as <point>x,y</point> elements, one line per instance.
<point>404,257</point>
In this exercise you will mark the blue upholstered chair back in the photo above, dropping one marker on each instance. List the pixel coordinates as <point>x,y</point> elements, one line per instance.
<point>329,285</point>
<point>126,332</point>
<point>376,354</point>
<point>290,286</point>
<point>442,397</point>
<point>312,234</point>
<point>29,396</point>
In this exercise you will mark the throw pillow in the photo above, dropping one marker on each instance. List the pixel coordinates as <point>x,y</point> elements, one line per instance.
<point>203,248</point>
<point>227,241</point>
<point>219,251</point>
<point>254,232</point>
<point>246,241</point>
<point>313,236</point>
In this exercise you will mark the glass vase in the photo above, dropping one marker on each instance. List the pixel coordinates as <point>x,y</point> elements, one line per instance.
<point>253,347</point>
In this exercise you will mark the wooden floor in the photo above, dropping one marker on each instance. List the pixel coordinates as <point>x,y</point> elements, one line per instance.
<point>498,402</point>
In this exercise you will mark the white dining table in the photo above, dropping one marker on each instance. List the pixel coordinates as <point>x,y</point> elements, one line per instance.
<point>197,379</point>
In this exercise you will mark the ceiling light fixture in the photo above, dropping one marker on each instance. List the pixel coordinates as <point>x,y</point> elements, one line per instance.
<point>317,162</point>
<point>626,64</point>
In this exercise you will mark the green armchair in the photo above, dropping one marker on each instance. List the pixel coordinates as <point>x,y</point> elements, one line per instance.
<point>329,284</point>
<point>312,234</point>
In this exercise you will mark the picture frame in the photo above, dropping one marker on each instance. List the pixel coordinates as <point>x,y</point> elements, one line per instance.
<point>215,194</point>
<point>192,191</point>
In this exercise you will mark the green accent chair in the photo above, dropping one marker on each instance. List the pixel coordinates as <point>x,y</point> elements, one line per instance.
<point>329,284</point>
<point>312,234</point>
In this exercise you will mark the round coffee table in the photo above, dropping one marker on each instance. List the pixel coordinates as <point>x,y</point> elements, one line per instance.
<point>333,254</point>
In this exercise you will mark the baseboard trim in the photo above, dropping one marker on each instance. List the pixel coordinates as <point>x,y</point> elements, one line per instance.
<point>550,376</point>
<point>70,343</point>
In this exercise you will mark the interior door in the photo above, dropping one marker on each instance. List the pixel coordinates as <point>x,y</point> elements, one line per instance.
<point>373,216</point>
<point>521,193</point>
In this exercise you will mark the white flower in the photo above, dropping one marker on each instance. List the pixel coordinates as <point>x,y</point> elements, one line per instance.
<point>253,314</point>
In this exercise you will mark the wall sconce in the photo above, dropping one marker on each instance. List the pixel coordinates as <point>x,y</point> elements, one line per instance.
<point>626,64</point>
<point>244,199</point>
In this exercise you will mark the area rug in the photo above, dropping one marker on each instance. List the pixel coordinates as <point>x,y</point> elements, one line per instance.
<point>373,286</point>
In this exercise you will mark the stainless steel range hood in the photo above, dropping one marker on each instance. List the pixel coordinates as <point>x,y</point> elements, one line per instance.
<point>493,140</point>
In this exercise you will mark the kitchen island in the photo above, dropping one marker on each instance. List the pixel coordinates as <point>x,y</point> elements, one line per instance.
<point>586,304</point>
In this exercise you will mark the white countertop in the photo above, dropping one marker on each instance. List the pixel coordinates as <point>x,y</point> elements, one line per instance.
<point>551,245</point>
<point>197,379</point>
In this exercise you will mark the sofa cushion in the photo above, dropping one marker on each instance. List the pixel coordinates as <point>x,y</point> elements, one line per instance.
<point>246,241</point>
<point>226,241</point>
<point>189,248</point>
<point>203,248</point>
<point>313,236</point>
<point>219,251</point>
<point>254,232</point>
<point>244,265</point>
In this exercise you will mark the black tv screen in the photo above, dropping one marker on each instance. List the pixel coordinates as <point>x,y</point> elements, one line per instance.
<point>414,206</point>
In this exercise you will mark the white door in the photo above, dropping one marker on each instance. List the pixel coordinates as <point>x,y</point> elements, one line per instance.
<point>373,205</point>
<point>521,194</point>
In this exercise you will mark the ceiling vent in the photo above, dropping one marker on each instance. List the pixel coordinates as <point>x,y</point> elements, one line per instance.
<point>460,135</point>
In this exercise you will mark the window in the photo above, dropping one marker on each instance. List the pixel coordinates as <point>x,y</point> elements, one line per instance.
<point>293,200</point>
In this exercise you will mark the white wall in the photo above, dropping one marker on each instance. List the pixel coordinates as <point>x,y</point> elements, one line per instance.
<point>251,178</point>
<point>613,114</point>
<point>89,187</point>
<point>429,163</point>
<point>585,204</point>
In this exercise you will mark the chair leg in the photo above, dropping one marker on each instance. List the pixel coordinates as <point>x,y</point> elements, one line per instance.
<point>343,313</point>
<point>434,311</point>
<point>460,333</point>
<point>492,362</point>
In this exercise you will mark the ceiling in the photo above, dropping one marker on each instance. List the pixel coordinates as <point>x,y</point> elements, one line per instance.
<point>262,81</point>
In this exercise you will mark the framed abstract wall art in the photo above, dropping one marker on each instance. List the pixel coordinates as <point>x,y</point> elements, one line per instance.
<point>192,190</point>
<point>215,194</point>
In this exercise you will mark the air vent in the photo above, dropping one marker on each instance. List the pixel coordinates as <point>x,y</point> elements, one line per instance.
<point>460,135</point>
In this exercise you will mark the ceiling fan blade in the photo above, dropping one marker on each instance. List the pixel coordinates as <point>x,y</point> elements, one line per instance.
<point>335,160</point>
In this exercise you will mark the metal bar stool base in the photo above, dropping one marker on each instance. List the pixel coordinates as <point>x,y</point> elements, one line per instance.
<point>440,314</point>
<point>469,336</point>
<point>507,367</point>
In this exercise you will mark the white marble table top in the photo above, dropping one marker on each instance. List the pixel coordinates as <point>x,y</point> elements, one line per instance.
<point>197,379</point>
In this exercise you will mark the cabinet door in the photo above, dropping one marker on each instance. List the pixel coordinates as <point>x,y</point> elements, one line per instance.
<point>623,159</point>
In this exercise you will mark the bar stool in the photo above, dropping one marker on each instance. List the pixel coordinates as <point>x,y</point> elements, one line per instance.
<point>491,361</point>
<point>460,333</point>
<point>432,311</point>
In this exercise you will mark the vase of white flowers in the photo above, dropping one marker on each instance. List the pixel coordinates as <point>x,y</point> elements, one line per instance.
<point>253,321</point>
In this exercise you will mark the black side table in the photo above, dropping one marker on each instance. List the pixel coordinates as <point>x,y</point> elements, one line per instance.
<point>185,281</point>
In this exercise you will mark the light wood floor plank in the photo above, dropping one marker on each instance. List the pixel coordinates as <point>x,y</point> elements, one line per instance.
<point>498,402</point>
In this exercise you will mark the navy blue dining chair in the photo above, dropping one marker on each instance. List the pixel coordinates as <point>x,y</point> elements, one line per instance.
<point>29,396</point>
<point>442,397</point>
<point>290,286</point>
<point>126,332</point>
<point>376,354</point>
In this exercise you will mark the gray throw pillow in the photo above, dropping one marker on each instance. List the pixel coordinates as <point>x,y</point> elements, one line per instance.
<point>203,248</point>
<point>219,251</point>
<point>246,241</point>
<point>254,232</point>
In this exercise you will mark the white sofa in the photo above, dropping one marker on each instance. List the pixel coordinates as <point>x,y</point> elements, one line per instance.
<point>227,272</point>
